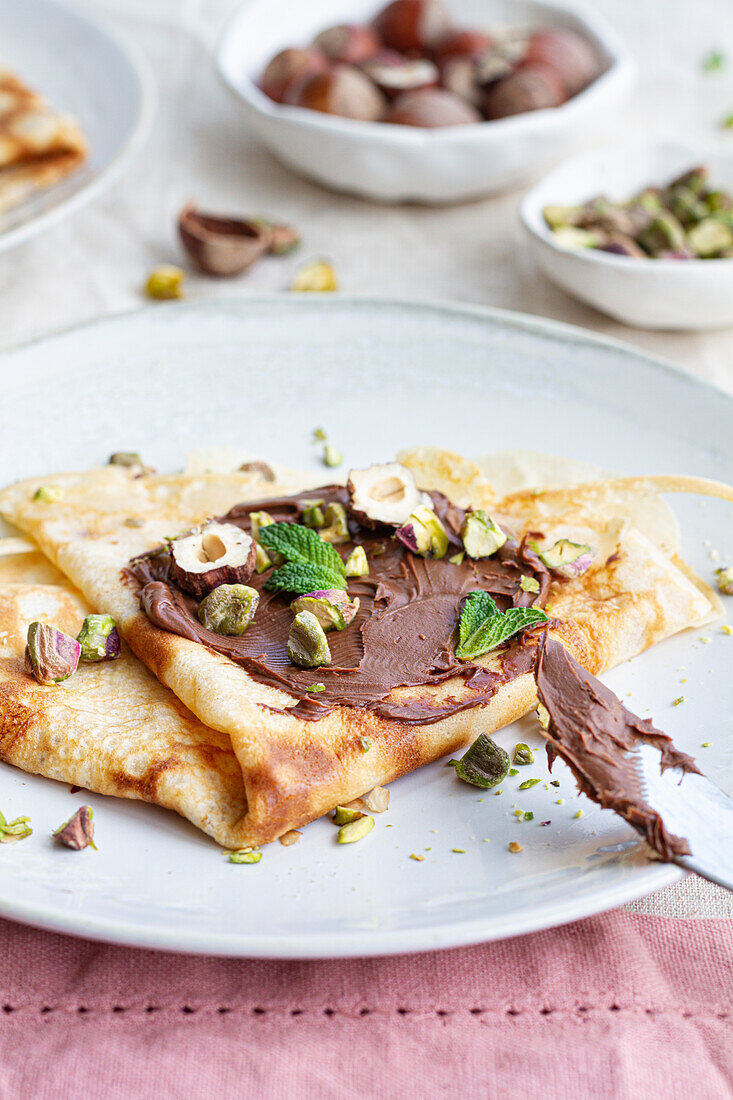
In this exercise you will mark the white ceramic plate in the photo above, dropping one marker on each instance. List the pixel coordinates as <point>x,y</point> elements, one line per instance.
<point>262,374</point>
<point>658,294</point>
<point>406,163</point>
<point>85,70</point>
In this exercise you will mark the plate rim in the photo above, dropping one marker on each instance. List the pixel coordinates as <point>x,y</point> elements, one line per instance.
<point>91,190</point>
<point>355,943</point>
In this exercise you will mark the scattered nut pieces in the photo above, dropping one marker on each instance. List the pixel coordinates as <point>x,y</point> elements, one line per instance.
<point>48,494</point>
<point>376,800</point>
<point>332,456</point>
<point>165,282</point>
<point>355,830</point>
<point>50,655</point>
<point>229,609</point>
<point>417,858</point>
<point>222,246</point>
<point>99,639</point>
<point>290,838</point>
<point>12,831</point>
<point>307,644</point>
<point>245,855</point>
<point>78,831</point>
<point>318,277</point>
<point>514,846</point>
<point>725,580</point>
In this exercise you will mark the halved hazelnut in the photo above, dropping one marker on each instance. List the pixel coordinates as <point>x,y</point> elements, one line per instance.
<point>413,25</point>
<point>532,87</point>
<point>349,42</point>
<point>571,56</point>
<point>216,553</point>
<point>222,245</point>
<point>345,91</point>
<point>386,494</point>
<point>431,107</point>
<point>289,66</point>
<point>407,75</point>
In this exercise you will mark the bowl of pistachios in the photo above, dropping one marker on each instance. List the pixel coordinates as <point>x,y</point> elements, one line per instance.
<point>643,232</point>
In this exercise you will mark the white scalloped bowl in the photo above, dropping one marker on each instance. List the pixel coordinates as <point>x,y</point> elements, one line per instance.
<point>656,294</point>
<point>402,163</point>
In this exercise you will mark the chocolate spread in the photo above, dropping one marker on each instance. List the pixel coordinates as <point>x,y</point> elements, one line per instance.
<point>596,736</point>
<point>403,633</point>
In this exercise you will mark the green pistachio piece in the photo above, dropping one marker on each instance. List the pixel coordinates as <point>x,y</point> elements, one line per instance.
<point>570,237</point>
<point>529,584</point>
<point>484,765</point>
<point>245,855</point>
<point>229,609</point>
<point>258,520</point>
<point>522,754</point>
<point>725,580</point>
<point>335,527</point>
<point>312,514</point>
<point>710,237</point>
<point>568,559</point>
<point>331,607</point>
<point>50,655</point>
<point>332,456</point>
<point>48,494</point>
<point>694,180</point>
<point>557,217</point>
<point>307,643</point>
<point>356,565</point>
<point>481,535</point>
<point>664,232</point>
<point>424,534</point>
<point>165,281</point>
<point>99,639</point>
<point>344,815</point>
<point>356,830</point>
<point>263,561</point>
<point>686,206</point>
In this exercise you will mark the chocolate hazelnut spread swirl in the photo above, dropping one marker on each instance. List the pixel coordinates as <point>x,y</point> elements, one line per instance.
<point>594,733</point>
<point>403,633</point>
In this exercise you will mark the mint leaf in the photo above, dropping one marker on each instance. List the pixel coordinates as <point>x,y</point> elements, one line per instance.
<point>301,577</point>
<point>297,543</point>
<point>482,627</point>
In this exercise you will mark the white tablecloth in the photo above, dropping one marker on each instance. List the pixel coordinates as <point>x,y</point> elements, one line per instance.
<point>95,263</point>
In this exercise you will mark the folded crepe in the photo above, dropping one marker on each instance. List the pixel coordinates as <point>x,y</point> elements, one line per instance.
<point>38,144</point>
<point>293,769</point>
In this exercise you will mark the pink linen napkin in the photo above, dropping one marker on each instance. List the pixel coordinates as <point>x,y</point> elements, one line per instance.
<point>616,1007</point>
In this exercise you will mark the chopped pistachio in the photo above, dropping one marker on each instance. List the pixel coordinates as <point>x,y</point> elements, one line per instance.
<point>335,525</point>
<point>481,535</point>
<point>416,857</point>
<point>12,831</point>
<point>356,565</point>
<point>527,784</point>
<point>245,855</point>
<point>318,277</point>
<point>559,801</point>
<point>459,851</point>
<point>522,754</point>
<point>725,580</point>
<point>344,815</point>
<point>99,639</point>
<point>424,534</point>
<point>332,456</point>
<point>676,702</point>
<point>312,515</point>
<point>529,584</point>
<point>727,629</point>
<point>484,764</point>
<point>307,644</point>
<point>578,813</point>
<point>512,771</point>
<point>319,435</point>
<point>229,609</point>
<point>727,121</point>
<point>48,494</point>
<point>50,655</point>
<point>457,559</point>
<point>713,61</point>
<point>291,837</point>
<point>78,831</point>
<point>331,606</point>
<point>315,689</point>
<point>165,282</point>
<point>258,520</point>
<point>355,830</point>
<point>528,816</point>
<point>514,847</point>
<point>376,800</point>
<point>263,561</point>
<point>365,743</point>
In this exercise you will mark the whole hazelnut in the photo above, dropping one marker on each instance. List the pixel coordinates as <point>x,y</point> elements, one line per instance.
<point>413,25</point>
<point>289,66</point>
<point>469,44</point>
<point>344,91</point>
<point>431,107</point>
<point>350,43</point>
<point>529,88</point>
<point>403,76</point>
<point>572,57</point>
<point>460,76</point>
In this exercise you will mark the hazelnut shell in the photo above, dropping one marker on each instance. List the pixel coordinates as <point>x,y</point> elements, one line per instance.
<point>222,246</point>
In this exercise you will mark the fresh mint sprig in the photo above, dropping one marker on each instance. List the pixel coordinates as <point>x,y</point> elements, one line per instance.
<point>311,563</point>
<point>482,626</point>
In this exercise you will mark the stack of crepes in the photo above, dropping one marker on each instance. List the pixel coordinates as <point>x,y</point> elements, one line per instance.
<point>176,724</point>
<point>38,144</point>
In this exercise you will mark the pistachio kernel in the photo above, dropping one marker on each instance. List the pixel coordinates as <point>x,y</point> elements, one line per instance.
<point>312,514</point>
<point>78,831</point>
<point>725,580</point>
<point>344,815</point>
<point>331,607</point>
<point>165,282</point>
<point>99,639</point>
<point>48,494</point>
<point>332,456</point>
<point>356,565</point>
<point>424,534</point>
<point>229,609</point>
<point>335,527</point>
<point>245,855</point>
<point>481,535</point>
<point>523,754</point>
<point>318,277</point>
<point>50,655</point>
<point>529,584</point>
<point>263,561</point>
<point>567,559</point>
<point>376,800</point>
<point>258,520</point>
<point>355,830</point>
<point>307,644</point>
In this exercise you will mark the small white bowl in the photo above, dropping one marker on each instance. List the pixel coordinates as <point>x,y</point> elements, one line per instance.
<point>402,163</point>
<point>647,293</point>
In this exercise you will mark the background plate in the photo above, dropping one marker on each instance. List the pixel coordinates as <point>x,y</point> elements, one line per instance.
<point>81,68</point>
<point>262,374</point>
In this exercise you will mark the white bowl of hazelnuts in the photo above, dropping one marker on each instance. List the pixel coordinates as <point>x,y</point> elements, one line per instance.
<point>417,100</point>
